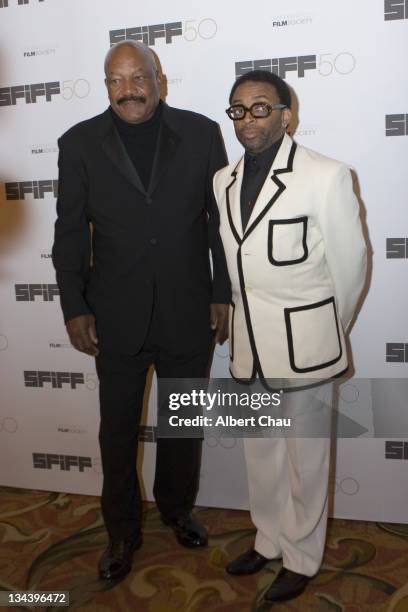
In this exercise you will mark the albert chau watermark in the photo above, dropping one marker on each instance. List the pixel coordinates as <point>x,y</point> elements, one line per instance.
<point>204,408</point>
<point>343,408</point>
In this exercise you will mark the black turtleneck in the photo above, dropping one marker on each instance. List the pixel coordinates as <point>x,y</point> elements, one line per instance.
<point>140,140</point>
<point>255,172</point>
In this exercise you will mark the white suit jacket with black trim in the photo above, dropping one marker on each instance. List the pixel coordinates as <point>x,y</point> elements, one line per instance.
<point>298,269</point>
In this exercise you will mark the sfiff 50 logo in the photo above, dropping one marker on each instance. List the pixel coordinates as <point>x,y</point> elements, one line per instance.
<point>396,125</point>
<point>190,30</point>
<point>396,449</point>
<point>33,93</point>
<point>397,248</point>
<point>326,64</point>
<point>27,292</point>
<point>395,9</point>
<point>38,189</point>
<point>396,352</point>
<point>33,378</point>
<point>57,380</point>
<point>46,461</point>
<point>30,93</point>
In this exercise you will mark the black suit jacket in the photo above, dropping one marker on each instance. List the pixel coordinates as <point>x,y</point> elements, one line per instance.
<point>145,244</point>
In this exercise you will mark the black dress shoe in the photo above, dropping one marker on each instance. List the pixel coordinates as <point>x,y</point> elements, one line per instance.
<point>188,531</point>
<point>117,559</point>
<point>248,563</point>
<point>287,585</point>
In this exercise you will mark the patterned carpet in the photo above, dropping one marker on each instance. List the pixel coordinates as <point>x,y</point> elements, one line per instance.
<point>52,541</point>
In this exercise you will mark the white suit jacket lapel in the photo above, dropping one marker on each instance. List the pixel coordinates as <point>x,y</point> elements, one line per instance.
<point>275,183</point>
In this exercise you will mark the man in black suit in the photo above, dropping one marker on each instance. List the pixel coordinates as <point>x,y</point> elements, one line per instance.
<point>137,289</point>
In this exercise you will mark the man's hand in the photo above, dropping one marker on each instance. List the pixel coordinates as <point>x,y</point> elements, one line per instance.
<point>82,333</point>
<point>219,322</point>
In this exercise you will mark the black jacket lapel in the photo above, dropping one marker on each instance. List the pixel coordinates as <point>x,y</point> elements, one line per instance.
<point>167,144</point>
<point>116,151</point>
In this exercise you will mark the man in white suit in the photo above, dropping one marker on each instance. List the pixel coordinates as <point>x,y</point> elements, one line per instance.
<point>297,261</point>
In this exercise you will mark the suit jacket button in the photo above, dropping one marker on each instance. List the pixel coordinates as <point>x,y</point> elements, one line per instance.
<point>148,200</point>
<point>153,240</point>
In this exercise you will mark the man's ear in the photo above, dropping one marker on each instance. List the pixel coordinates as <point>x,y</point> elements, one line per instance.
<point>286,117</point>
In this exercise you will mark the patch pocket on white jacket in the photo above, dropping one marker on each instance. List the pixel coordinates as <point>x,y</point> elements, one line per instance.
<point>287,241</point>
<point>313,336</point>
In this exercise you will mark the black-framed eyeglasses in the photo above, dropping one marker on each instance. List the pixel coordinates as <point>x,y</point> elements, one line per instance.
<point>258,110</point>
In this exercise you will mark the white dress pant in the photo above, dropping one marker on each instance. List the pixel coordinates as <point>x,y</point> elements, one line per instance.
<point>288,482</point>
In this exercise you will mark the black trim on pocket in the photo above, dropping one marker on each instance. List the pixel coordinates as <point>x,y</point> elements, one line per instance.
<point>288,312</point>
<point>288,262</point>
<point>231,340</point>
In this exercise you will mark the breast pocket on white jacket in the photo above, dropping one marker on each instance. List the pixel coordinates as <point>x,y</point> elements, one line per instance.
<point>287,241</point>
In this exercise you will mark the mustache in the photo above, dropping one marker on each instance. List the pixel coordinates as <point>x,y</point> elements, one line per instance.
<point>124,99</point>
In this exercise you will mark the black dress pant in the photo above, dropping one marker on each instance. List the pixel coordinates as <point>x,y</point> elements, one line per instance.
<point>122,381</point>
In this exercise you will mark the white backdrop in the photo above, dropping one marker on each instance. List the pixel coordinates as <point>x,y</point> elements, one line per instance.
<point>346,62</point>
